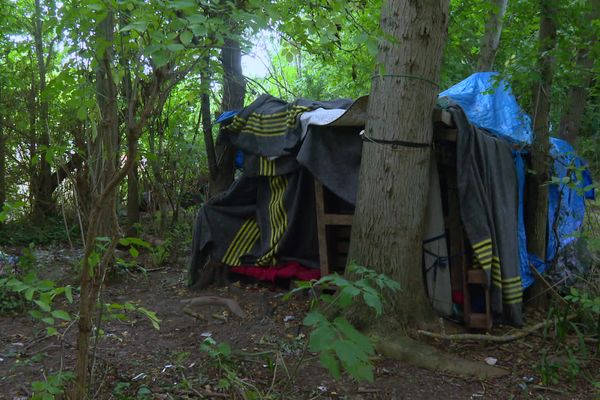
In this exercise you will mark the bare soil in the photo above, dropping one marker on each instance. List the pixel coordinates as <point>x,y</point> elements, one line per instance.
<point>136,361</point>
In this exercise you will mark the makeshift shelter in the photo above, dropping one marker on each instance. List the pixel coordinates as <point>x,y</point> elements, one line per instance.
<point>289,213</point>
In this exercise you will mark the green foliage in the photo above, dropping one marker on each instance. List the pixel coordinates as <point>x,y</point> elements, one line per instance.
<point>51,230</point>
<point>118,311</point>
<point>39,294</point>
<point>565,360</point>
<point>223,359</point>
<point>53,386</point>
<point>338,343</point>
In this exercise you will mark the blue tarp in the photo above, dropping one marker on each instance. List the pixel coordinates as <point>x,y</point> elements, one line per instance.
<point>489,104</point>
<point>227,116</point>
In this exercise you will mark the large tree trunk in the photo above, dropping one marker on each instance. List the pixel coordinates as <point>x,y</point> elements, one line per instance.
<point>102,218</point>
<point>491,38</point>
<point>234,90</point>
<point>43,202</point>
<point>394,175</point>
<point>537,200</point>
<point>570,121</point>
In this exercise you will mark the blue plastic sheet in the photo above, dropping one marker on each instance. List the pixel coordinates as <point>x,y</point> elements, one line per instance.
<point>566,200</point>
<point>526,275</point>
<point>489,104</point>
<point>227,116</point>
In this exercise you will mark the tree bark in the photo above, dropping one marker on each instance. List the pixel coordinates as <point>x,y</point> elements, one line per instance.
<point>537,200</point>
<point>491,38</point>
<point>43,202</point>
<point>387,228</point>
<point>234,91</point>
<point>570,121</point>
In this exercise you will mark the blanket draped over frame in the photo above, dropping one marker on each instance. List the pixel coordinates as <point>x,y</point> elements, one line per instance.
<point>488,198</point>
<point>267,217</point>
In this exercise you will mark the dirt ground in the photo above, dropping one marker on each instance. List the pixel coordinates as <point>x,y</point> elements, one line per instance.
<point>136,361</point>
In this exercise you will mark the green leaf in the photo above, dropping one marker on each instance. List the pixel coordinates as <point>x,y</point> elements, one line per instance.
<point>69,293</point>
<point>186,37</point>
<point>373,300</point>
<point>328,361</point>
<point>134,252</point>
<point>42,305</point>
<point>182,4</point>
<point>29,294</point>
<point>160,58</point>
<point>321,338</point>
<point>138,26</point>
<point>175,47</point>
<point>313,318</point>
<point>48,320</point>
<point>354,335</point>
<point>61,314</point>
<point>347,295</point>
<point>36,314</point>
<point>51,331</point>
<point>96,6</point>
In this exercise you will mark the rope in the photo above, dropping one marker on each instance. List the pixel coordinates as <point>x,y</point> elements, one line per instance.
<point>393,144</point>
<point>420,78</point>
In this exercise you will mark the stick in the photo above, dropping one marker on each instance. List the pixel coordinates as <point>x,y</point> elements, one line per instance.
<point>490,338</point>
<point>231,304</point>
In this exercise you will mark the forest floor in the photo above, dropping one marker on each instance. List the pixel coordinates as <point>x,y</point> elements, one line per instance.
<point>136,361</point>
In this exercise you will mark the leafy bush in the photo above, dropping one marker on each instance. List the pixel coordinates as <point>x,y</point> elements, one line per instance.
<point>338,343</point>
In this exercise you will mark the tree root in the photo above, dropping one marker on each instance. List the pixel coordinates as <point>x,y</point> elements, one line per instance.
<point>421,355</point>
<point>231,304</point>
<point>490,338</point>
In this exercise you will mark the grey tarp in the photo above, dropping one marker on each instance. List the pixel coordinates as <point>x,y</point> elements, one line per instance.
<point>488,197</point>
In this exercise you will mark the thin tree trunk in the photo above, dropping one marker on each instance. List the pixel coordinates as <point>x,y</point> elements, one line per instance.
<point>43,202</point>
<point>491,38</point>
<point>102,219</point>
<point>234,90</point>
<point>388,222</point>
<point>2,151</point>
<point>570,121</point>
<point>537,201</point>
<point>209,143</point>
<point>133,199</point>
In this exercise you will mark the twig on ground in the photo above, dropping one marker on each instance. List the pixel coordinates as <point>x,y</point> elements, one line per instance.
<point>490,338</point>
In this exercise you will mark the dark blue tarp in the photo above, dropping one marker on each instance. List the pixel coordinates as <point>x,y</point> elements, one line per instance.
<point>489,104</point>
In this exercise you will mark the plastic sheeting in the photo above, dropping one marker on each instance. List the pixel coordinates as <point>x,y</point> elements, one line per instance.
<point>489,104</point>
<point>566,203</point>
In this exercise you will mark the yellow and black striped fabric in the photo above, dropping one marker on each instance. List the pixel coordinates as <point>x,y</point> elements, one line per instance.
<point>512,288</point>
<point>242,242</point>
<point>269,125</point>
<point>278,219</point>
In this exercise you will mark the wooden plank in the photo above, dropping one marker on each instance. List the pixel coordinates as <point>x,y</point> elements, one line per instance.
<point>444,117</point>
<point>337,219</point>
<point>479,321</point>
<point>321,229</point>
<point>477,276</point>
